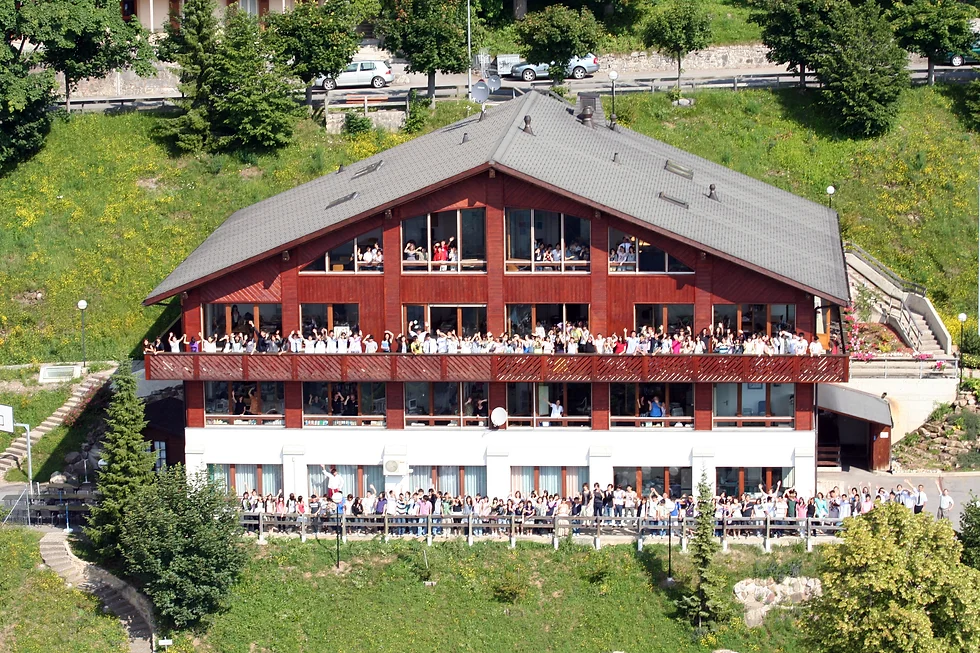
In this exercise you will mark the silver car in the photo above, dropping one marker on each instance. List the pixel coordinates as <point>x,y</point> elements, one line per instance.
<point>578,68</point>
<point>359,73</point>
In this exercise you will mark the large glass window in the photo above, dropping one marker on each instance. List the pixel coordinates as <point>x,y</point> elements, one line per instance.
<point>462,321</point>
<point>530,319</point>
<point>767,319</point>
<point>754,404</point>
<point>362,254</point>
<point>736,481</point>
<point>547,241</point>
<point>627,253</point>
<point>239,403</point>
<point>342,319</point>
<point>677,481</point>
<point>344,404</point>
<point>651,404</point>
<point>563,481</point>
<point>224,319</point>
<point>549,404</point>
<point>670,317</point>
<point>447,241</point>
<point>446,404</point>
<point>355,479</point>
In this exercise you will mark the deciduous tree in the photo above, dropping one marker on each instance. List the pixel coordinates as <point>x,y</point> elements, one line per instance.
<point>895,585</point>
<point>970,528</point>
<point>183,546</point>
<point>678,28</point>
<point>129,465</point>
<point>793,30</point>
<point>555,36</point>
<point>933,29</point>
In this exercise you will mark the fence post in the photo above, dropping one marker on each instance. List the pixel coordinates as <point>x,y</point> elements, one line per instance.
<point>767,542</point>
<point>597,540</point>
<point>513,531</point>
<point>683,523</point>
<point>639,533</point>
<point>365,105</point>
<point>261,531</point>
<point>385,536</point>
<point>809,542</point>
<point>724,534</point>
<point>343,528</point>
<point>428,529</point>
<point>735,83</point>
<point>469,530</point>
<point>554,532</point>
<point>302,526</point>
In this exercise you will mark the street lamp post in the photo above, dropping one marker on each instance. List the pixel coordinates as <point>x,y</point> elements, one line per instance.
<point>337,498</point>
<point>830,196</point>
<point>613,76</point>
<point>82,305</point>
<point>469,53</point>
<point>962,318</point>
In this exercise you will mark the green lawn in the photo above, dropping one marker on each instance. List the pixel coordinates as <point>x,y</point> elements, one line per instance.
<point>909,197</point>
<point>103,213</point>
<point>32,407</point>
<point>39,614</point>
<point>574,599</point>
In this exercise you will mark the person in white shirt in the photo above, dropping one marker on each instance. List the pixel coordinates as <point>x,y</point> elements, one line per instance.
<point>335,483</point>
<point>331,343</point>
<point>945,505</point>
<point>816,348</point>
<point>918,497</point>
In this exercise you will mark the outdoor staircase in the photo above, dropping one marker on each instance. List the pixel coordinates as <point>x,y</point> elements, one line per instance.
<point>84,576</point>
<point>900,304</point>
<point>16,453</point>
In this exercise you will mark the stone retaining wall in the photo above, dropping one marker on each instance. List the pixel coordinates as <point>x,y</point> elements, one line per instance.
<point>390,119</point>
<point>720,57</point>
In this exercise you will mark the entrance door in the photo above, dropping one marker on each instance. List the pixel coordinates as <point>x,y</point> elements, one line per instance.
<point>881,447</point>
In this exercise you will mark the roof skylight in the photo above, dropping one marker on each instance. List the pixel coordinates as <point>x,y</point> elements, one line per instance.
<point>341,200</point>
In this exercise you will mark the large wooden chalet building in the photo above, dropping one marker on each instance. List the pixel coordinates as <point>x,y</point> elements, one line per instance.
<point>713,245</point>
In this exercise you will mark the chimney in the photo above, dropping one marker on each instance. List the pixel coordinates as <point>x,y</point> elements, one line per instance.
<point>586,117</point>
<point>527,126</point>
<point>466,137</point>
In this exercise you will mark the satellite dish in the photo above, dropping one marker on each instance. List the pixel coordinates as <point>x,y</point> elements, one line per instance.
<point>499,416</point>
<point>481,92</point>
<point>494,82</point>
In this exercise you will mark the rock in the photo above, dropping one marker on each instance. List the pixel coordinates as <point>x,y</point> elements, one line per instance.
<point>73,457</point>
<point>57,477</point>
<point>683,102</point>
<point>761,595</point>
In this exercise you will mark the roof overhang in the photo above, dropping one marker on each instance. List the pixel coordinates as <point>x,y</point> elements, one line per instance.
<point>854,403</point>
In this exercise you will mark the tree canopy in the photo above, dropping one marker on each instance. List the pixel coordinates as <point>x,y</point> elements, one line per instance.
<point>895,584</point>
<point>556,35</point>
<point>678,28</point>
<point>932,29</point>
<point>793,30</point>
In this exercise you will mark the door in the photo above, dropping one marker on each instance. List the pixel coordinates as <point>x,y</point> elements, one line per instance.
<point>368,72</point>
<point>881,447</point>
<point>349,76</point>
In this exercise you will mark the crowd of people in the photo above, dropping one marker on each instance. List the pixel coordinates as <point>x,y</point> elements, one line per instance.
<point>563,338</point>
<point>784,508</point>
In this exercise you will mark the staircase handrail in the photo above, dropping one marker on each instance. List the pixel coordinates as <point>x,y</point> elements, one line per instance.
<point>883,270</point>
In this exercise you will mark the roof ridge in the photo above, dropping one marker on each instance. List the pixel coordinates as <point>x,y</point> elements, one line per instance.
<point>505,139</point>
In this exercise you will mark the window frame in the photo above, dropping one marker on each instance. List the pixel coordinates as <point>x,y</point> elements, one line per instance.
<point>359,268</point>
<point>512,266</point>
<point>509,330</point>
<point>460,420</point>
<point>328,317</point>
<point>428,316</point>
<point>615,267</point>
<point>664,313</point>
<point>315,420</point>
<point>740,314</point>
<point>467,266</point>
<point>229,419</point>
<point>738,420</point>
<point>537,420</point>
<point>667,421</point>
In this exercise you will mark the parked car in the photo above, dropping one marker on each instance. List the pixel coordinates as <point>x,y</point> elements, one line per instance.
<point>359,73</point>
<point>958,59</point>
<point>578,68</point>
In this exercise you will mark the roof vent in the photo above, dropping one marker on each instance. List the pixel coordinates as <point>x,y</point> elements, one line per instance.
<point>673,200</point>
<point>586,117</point>
<point>612,121</point>
<point>466,137</point>
<point>340,169</point>
<point>615,157</point>
<point>712,195</point>
<point>369,169</point>
<point>483,113</point>
<point>341,200</point>
<point>527,126</point>
<point>678,169</point>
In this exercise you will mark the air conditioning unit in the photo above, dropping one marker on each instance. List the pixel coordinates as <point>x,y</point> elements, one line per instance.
<point>396,467</point>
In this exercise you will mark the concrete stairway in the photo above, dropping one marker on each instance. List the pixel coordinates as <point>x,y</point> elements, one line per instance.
<point>928,344</point>
<point>16,453</point>
<point>82,575</point>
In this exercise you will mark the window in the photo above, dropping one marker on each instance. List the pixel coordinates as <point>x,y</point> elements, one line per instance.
<point>448,241</point>
<point>678,480</point>
<point>549,404</point>
<point>361,254</point>
<point>367,65</point>
<point>651,404</point>
<point>464,321</point>
<point>238,403</point>
<point>220,474</point>
<point>768,319</point>
<point>524,319</point>
<point>160,454</point>
<point>239,478</point>
<point>546,241</point>
<point>224,319</point>
<point>344,404</point>
<point>342,319</point>
<point>735,481</point>
<point>627,253</point>
<point>563,481</point>
<point>355,479</point>
<point>754,404</point>
<point>446,404</point>
<point>670,317</point>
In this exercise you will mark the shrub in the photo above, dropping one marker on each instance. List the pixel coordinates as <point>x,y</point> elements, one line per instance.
<point>940,411</point>
<point>969,460</point>
<point>356,124</point>
<point>970,422</point>
<point>418,113</point>
<point>510,588</point>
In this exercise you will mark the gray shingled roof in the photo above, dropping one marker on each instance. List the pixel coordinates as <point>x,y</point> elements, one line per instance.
<point>751,221</point>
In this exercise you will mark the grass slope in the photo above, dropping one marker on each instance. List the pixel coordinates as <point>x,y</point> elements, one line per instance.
<point>102,213</point>
<point>32,406</point>
<point>909,197</point>
<point>486,598</point>
<point>38,613</point>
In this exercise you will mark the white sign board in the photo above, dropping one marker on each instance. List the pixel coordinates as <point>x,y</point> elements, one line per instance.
<point>165,642</point>
<point>7,419</point>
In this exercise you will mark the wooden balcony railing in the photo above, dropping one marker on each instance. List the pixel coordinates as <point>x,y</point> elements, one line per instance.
<point>516,368</point>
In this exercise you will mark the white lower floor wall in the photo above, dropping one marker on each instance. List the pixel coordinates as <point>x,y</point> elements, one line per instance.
<point>493,463</point>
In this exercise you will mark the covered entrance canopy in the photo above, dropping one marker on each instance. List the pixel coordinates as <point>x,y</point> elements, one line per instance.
<point>854,428</point>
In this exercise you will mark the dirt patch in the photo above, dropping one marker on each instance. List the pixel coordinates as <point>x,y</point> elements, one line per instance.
<point>17,387</point>
<point>557,594</point>
<point>149,183</point>
<point>250,172</point>
<point>29,297</point>
<point>343,570</point>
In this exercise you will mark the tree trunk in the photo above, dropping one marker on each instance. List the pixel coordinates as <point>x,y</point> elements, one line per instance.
<point>932,72</point>
<point>432,89</point>
<point>520,9</point>
<point>802,70</point>
<point>309,95</point>
<point>67,94</point>
<point>678,73</point>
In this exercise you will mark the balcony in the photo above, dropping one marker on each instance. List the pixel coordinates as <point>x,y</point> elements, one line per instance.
<point>506,368</point>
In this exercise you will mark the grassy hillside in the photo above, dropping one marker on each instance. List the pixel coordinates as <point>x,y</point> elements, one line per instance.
<point>486,598</point>
<point>38,613</point>
<point>104,212</point>
<point>909,197</point>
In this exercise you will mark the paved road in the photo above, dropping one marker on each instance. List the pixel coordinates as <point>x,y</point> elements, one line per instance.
<point>960,485</point>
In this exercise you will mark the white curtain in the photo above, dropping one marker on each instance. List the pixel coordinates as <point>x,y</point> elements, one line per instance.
<point>475,480</point>
<point>373,475</point>
<point>318,479</point>
<point>349,475</point>
<point>522,480</point>
<point>449,480</point>
<point>246,478</point>
<point>549,480</point>
<point>220,474</point>
<point>271,479</point>
<point>420,479</point>
<point>574,477</point>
